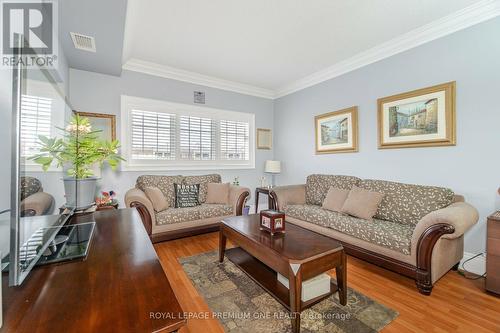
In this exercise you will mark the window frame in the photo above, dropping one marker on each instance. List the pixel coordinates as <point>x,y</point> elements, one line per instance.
<point>129,103</point>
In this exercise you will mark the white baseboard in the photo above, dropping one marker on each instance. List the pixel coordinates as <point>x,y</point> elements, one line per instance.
<point>476,265</point>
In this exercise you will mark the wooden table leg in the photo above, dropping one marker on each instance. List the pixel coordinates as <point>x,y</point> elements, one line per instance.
<point>222,245</point>
<point>256,202</point>
<point>295,278</point>
<point>341,272</point>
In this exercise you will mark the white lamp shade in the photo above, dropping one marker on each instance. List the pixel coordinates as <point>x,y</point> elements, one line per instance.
<point>272,166</point>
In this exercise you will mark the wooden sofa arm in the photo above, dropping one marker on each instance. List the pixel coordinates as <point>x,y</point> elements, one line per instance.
<point>450,222</point>
<point>238,196</point>
<point>136,198</point>
<point>288,195</point>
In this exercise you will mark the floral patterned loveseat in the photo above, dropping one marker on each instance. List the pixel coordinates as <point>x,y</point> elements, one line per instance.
<point>417,230</point>
<point>174,223</point>
<point>34,201</point>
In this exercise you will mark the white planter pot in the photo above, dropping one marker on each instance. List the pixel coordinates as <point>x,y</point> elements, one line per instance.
<point>80,193</point>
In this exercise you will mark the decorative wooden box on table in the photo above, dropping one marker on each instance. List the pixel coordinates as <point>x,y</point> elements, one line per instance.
<point>272,221</point>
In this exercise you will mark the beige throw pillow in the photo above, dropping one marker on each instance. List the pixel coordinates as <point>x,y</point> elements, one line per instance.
<point>217,193</point>
<point>362,203</point>
<point>335,199</point>
<point>155,195</point>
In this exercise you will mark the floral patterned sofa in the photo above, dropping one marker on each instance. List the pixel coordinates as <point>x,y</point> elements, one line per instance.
<point>174,223</point>
<point>416,231</point>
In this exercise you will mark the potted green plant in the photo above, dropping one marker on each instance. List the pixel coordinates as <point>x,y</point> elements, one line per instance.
<point>77,152</point>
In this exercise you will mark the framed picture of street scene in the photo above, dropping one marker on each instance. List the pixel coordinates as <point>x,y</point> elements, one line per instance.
<point>337,132</point>
<point>420,118</point>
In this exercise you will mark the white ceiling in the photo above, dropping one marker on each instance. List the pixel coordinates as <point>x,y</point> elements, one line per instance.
<point>269,43</point>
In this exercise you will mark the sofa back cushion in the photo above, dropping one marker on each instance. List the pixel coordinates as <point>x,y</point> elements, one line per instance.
<point>203,181</point>
<point>407,203</point>
<point>164,183</point>
<point>317,186</point>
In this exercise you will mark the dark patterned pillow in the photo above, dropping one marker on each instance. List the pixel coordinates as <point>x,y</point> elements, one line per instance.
<point>186,195</point>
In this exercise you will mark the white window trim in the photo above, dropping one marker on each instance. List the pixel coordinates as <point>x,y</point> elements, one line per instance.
<point>128,103</point>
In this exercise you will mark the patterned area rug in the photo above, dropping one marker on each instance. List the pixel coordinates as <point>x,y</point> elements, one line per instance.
<point>243,306</point>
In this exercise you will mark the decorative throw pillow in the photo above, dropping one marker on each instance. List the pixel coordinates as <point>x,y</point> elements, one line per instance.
<point>186,195</point>
<point>217,193</point>
<point>335,198</point>
<point>362,203</point>
<point>155,195</point>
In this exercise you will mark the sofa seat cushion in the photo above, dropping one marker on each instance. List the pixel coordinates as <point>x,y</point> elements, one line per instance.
<point>204,211</point>
<point>317,186</point>
<point>407,203</point>
<point>395,236</point>
<point>177,215</point>
<point>213,210</point>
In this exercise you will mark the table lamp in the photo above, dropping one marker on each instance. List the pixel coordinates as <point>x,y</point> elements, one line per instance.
<point>272,167</point>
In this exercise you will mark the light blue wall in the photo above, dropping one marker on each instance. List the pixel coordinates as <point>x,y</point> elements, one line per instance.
<point>471,58</point>
<point>92,92</point>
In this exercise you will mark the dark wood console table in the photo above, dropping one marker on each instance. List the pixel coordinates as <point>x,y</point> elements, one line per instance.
<point>119,287</point>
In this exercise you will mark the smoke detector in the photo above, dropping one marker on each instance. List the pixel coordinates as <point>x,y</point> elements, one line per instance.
<point>82,42</point>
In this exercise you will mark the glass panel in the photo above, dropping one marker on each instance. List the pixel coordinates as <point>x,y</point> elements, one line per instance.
<point>38,112</point>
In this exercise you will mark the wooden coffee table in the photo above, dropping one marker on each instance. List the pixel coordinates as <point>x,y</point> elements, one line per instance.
<point>299,254</point>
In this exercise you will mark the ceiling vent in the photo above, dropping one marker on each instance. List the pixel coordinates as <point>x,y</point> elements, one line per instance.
<point>83,42</point>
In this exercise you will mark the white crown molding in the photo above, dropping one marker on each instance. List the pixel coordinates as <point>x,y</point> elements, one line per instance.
<point>467,17</point>
<point>168,72</point>
<point>462,19</point>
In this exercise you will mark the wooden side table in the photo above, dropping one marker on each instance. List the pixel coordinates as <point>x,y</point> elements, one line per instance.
<point>114,205</point>
<point>493,253</point>
<point>92,209</point>
<point>270,200</point>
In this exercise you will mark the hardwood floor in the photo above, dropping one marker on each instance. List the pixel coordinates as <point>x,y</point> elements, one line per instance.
<point>456,304</point>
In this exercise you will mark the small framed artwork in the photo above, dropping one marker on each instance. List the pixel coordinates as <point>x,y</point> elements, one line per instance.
<point>337,132</point>
<point>106,123</point>
<point>264,138</point>
<point>419,118</point>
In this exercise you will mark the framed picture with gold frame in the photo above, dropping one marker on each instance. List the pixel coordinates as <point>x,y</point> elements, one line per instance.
<point>106,123</point>
<point>337,132</point>
<point>419,118</point>
<point>264,138</point>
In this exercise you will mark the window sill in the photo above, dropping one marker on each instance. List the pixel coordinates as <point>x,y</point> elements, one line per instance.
<point>146,167</point>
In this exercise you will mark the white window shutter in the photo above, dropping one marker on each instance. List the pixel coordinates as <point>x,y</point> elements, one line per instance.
<point>35,120</point>
<point>153,135</point>
<point>197,138</point>
<point>234,140</point>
